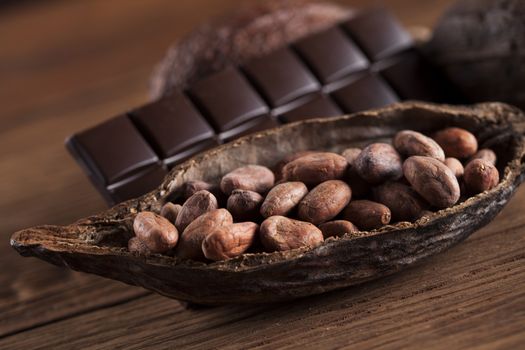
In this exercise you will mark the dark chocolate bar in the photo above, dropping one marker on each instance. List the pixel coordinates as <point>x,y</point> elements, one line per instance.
<point>365,62</point>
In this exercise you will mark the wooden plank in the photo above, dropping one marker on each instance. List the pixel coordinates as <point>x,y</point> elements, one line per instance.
<point>470,296</point>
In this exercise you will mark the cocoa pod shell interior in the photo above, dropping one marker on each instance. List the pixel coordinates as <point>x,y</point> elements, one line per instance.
<point>98,244</point>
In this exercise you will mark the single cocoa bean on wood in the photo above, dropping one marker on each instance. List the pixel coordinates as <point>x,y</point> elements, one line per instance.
<point>255,178</point>
<point>337,228</point>
<point>244,204</point>
<point>379,162</point>
<point>404,203</point>
<point>480,176</point>
<point>412,143</point>
<point>280,233</point>
<point>324,201</point>
<point>315,168</point>
<point>367,215</point>
<point>190,242</point>
<point>283,198</point>
<point>198,204</point>
<point>433,180</point>
<point>156,233</point>
<point>229,241</point>
<point>456,142</point>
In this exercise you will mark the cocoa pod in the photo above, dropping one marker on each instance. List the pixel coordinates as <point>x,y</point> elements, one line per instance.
<point>156,233</point>
<point>455,165</point>
<point>190,242</point>
<point>379,162</point>
<point>170,211</point>
<point>485,154</point>
<point>367,215</point>
<point>404,203</point>
<point>433,180</point>
<point>412,143</point>
<point>198,204</point>
<point>315,168</point>
<point>244,205</point>
<point>280,233</point>
<point>457,142</point>
<point>324,201</point>
<point>229,241</point>
<point>283,198</point>
<point>337,228</point>
<point>255,178</point>
<point>480,176</point>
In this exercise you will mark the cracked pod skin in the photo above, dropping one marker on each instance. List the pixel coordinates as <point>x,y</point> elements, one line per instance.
<point>97,244</point>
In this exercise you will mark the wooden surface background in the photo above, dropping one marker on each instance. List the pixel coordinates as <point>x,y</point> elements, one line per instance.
<point>66,65</point>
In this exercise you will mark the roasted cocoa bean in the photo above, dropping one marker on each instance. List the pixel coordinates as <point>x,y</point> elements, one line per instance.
<point>198,204</point>
<point>315,168</point>
<point>367,215</point>
<point>255,178</point>
<point>455,165</point>
<point>433,180</point>
<point>170,211</point>
<point>324,201</point>
<point>480,176</point>
<point>190,242</point>
<point>337,228</point>
<point>456,142</point>
<point>156,233</point>
<point>280,233</point>
<point>278,169</point>
<point>485,154</point>
<point>283,198</point>
<point>404,203</point>
<point>244,205</point>
<point>137,246</point>
<point>379,162</point>
<point>229,241</point>
<point>351,154</point>
<point>191,187</point>
<point>412,143</point>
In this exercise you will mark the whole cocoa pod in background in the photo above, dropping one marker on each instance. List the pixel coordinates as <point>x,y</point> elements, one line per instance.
<point>479,45</point>
<point>237,38</point>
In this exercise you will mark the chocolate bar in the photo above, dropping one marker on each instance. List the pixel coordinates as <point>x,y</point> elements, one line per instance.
<point>364,62</point>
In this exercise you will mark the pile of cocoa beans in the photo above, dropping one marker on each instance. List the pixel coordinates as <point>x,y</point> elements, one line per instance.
<point>312,195</point>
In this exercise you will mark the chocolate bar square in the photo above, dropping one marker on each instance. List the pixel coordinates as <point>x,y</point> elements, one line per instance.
<point>258,124</point>
<point>378,33</point>
<point>321,106</point>
<point>112,151</point>
<point>369,91</point>
<point>174,128</point>
<point>227,99</point>
<point>281,77</point>
<point>331,54</point>
<point>136,185</point>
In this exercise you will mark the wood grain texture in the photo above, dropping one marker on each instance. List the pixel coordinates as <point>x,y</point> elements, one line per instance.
<point>66,65</point>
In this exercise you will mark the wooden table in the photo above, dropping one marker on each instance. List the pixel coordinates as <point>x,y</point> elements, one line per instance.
<point>66,65</point>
